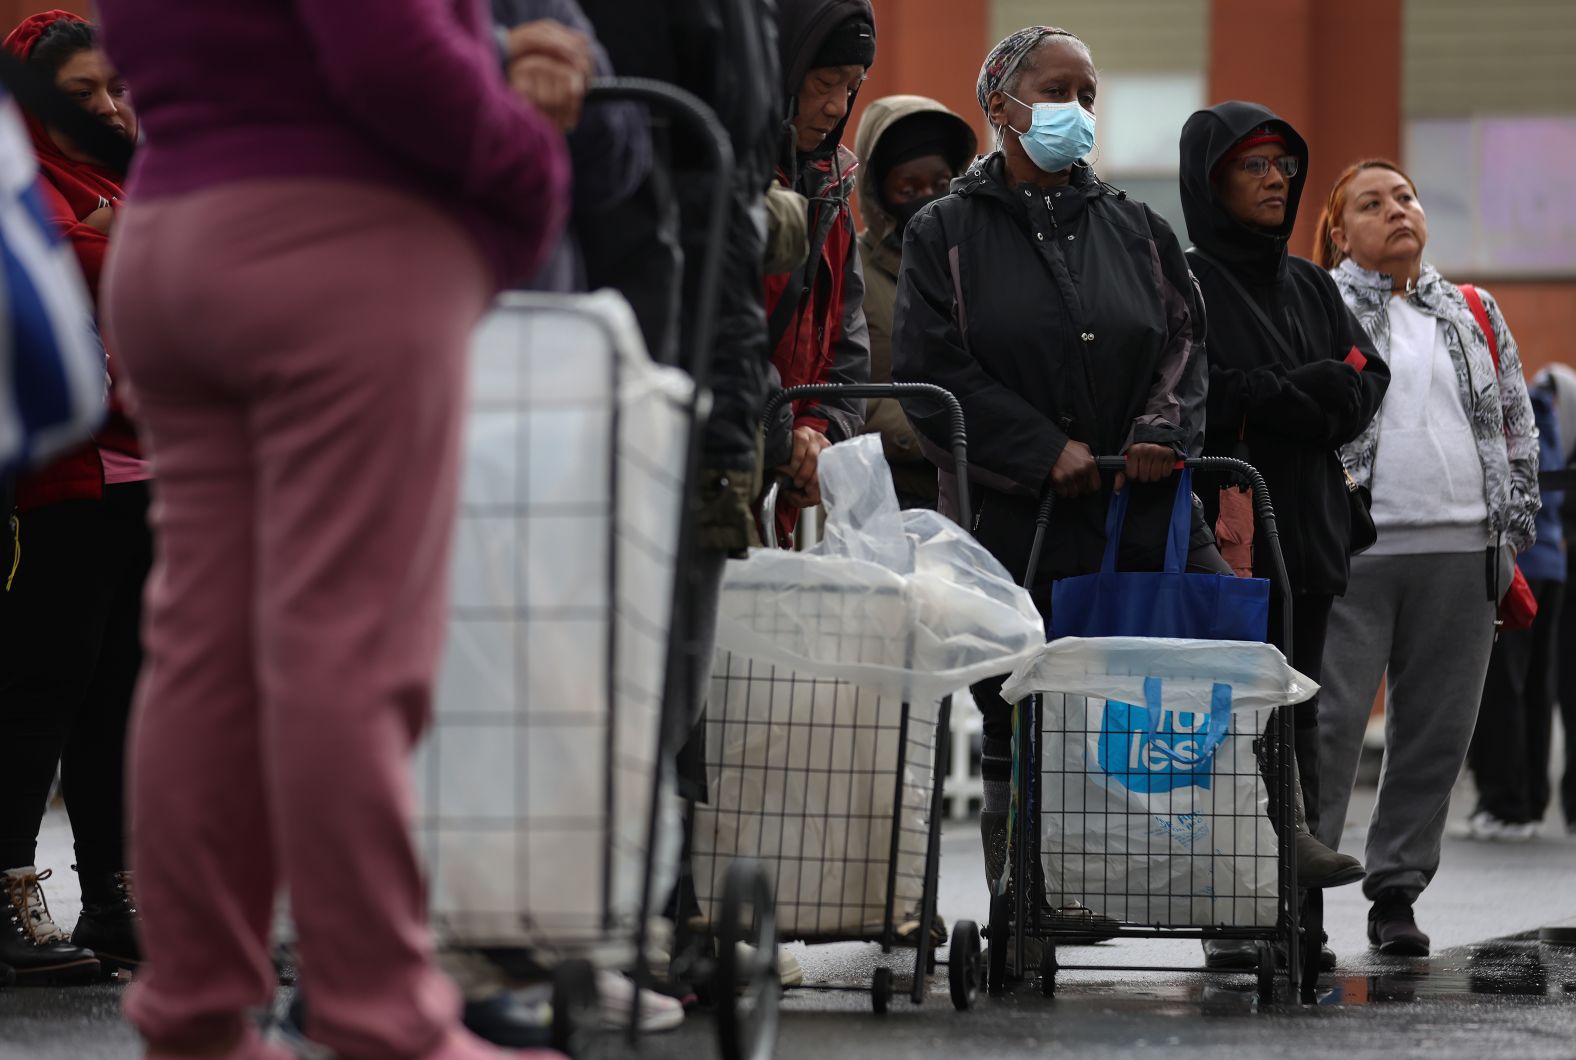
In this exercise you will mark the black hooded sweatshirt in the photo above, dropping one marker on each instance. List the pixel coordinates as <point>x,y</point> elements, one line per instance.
<point>1291,413</point>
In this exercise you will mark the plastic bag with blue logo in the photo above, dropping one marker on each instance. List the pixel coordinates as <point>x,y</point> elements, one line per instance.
<point>1152,806</point>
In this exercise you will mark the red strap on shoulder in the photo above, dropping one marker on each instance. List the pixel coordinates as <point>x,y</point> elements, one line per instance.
<point>1480,314</point>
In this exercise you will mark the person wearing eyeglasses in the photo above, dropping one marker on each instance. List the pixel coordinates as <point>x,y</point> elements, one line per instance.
<point>1292,378</point>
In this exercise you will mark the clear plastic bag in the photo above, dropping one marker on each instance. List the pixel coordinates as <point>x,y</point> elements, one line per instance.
<point>830,667</point>
<point>940,611</point>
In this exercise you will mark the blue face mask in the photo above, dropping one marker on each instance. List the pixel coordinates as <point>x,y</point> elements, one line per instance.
<point>1059,134</point>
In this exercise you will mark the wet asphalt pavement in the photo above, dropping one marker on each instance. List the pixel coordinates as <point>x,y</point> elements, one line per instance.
<point>1491,990</point>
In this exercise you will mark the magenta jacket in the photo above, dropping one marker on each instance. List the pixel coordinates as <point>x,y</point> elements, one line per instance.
<point>400,92</point>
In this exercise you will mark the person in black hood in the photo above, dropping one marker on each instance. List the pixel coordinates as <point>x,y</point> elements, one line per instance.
<point>1059,312</point>
<point>1292,378</point>
<point>815,314</point>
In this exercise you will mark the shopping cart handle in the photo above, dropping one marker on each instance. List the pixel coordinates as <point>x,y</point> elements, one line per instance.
<point>898,391</point>
<point>769,510</point>
<point>1119,463</point>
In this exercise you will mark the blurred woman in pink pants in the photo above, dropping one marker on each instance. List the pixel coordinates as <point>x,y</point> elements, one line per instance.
<point>328,196</point>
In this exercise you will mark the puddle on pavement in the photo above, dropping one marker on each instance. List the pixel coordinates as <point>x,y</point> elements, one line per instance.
<point>1506,969</point>
<point>1510,969</point>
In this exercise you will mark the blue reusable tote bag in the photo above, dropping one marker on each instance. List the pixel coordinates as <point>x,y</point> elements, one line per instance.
<point>1166,603</point>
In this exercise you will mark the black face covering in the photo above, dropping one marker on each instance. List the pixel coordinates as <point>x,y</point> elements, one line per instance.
<point>904,212</point>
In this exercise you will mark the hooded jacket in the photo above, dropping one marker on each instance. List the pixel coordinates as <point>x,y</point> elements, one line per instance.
<point>826,339</point>
<point>881,251</point>
<point>1288,415</point>
<point>1052,315</point>
<point>1495,403</point>
<point>405,94</point>
<point>70,191</point>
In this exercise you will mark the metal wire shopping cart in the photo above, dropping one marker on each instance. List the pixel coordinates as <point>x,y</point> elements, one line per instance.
<point>545,811</point>
<point>834,788</point>
<point>1243,888</point>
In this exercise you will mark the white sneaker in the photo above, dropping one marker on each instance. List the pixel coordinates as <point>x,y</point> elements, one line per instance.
<point>789,971</point>
<point>1485,827</point>
<point>1524,832</point>
<point>1488,828</point>
<point>657,1011</point>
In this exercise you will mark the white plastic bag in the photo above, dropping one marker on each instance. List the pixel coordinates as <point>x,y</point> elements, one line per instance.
<point>938,610</point>
<point>818,653</point>
<point>535,781</point>
<point>1152,806</point>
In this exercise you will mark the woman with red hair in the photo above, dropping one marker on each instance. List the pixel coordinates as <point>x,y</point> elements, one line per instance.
<point>71,618</point>
<point>1452,463</point>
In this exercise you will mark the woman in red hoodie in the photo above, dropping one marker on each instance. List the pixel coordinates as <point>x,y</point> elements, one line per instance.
<point>71,615</point>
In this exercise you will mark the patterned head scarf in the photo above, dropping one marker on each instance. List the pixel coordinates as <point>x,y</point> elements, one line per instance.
<point>1003,61</point>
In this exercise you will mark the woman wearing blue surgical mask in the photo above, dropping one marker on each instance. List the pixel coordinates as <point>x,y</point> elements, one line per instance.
<point>1060,312</point>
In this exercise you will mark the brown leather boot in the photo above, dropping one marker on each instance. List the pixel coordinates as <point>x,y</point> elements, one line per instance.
<point>30,942</point>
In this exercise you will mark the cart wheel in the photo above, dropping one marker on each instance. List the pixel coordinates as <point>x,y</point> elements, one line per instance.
<point>1267,968</point>
<point>1048,968</point>
<point>577,1008</point>
<point>1000,940</point>
<point>881,990</point>
<point>963,964</point>
<point>745,983</point>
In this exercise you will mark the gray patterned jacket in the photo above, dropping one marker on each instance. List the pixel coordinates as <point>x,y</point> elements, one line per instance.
<point>1500,413</point>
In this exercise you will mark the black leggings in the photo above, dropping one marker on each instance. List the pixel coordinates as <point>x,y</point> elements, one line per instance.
<point>70,627</point>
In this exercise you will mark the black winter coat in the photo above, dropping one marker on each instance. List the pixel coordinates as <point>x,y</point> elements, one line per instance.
<point>651,246</point>
<point>1292,413</point>
<point>1052,314</point>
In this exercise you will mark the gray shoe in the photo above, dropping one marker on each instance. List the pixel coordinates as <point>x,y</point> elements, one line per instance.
<point>1231,955</point>
<point>1318,865</point>
<point>1240,955</point>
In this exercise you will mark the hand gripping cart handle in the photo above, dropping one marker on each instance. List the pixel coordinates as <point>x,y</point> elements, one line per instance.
<point>958,441</point>
<point>1300,925</point>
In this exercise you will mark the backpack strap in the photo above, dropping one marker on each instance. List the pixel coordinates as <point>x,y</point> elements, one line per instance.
<point>1480,314</point>
<point>1248,302</point>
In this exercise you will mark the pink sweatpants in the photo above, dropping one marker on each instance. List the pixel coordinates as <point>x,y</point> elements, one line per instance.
<point>296,350</point>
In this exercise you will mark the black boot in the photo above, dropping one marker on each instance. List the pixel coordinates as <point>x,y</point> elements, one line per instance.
<point>30,943</point>
<point>1393,929</point>
<point>108,925</point>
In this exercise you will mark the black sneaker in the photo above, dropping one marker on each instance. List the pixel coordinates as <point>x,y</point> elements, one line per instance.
<point>1393,929</point>
<point>30,942</point>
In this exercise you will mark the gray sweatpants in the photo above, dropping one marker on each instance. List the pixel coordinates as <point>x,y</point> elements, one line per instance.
<point>1427,620</point>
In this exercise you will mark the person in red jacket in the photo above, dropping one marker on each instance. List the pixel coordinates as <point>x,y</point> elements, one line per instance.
<point>71,616</point>
<point>815,314</point>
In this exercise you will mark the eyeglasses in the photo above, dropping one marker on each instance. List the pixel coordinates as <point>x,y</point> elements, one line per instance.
<point>1258,165</point>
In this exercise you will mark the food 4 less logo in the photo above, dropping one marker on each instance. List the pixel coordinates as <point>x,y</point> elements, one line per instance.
<point>1145,757</point>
